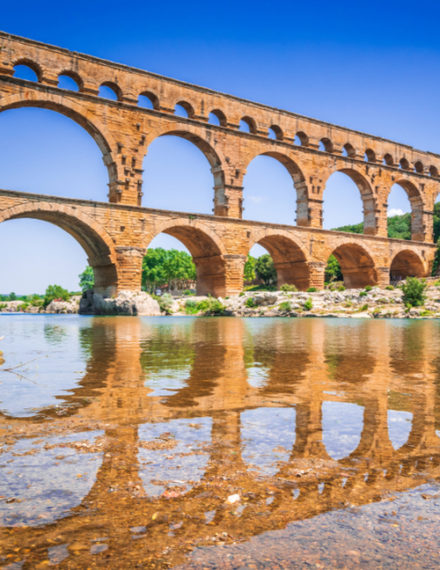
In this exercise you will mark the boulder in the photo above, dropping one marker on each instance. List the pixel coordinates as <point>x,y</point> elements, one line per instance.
<point>125,303</point>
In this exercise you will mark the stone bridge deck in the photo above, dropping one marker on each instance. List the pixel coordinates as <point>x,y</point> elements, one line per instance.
<point>116,236</point>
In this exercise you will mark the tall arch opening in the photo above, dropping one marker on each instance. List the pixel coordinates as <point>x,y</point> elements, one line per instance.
<point>406,264</point>
<point>273,184</point>
<point>350,188</point>
<point>289,262</point>
<point>356,265</point>
<point>44,152</point>
<point>180,171</point>
<point>41,254</point>
<point>398,213</point>
<point>206,253</point>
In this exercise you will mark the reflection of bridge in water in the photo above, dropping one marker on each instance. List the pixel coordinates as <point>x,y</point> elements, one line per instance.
<point>377,367</point>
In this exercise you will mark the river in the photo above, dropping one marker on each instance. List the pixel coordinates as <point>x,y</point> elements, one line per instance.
<point>219,442</point>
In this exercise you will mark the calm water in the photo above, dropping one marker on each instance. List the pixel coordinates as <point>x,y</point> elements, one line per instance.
<point>219,443</point>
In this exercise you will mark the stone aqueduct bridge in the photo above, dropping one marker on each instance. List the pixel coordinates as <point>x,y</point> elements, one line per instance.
<point>116,234</point>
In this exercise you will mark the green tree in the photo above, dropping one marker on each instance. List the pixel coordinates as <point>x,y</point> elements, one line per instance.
<point>86,279</point>
<point>413,292</point>
<point>333,270</point>
<point>167,267</point>
<point>54,292</point>
<point>265,270</point>
<point>249,269</point>
<point>12,296</point>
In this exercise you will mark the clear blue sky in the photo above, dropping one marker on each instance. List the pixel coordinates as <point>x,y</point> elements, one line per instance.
<point>372,66</point>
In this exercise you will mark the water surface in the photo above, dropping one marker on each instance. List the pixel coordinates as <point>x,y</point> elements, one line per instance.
<point>219,442</point>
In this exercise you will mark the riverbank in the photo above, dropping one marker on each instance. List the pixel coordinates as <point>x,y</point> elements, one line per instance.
<point>371,302</point>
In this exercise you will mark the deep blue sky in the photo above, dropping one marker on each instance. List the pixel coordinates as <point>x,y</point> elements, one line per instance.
<point>372,66</point>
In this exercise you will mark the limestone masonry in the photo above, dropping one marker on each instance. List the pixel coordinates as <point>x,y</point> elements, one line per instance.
<point>116,234</point>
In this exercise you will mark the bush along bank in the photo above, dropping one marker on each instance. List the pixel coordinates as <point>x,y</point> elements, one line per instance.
<point>413,298</point>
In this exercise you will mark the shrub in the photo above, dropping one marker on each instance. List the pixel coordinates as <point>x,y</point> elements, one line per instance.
<point>250,302</point>
<point>187,292</point>
<point>285,307</point>
<point>341,288</point>
<point>211,306</point>
<point>165,302</point>
<point>368,288</point>
<point>363,308</point>
<point>191,307</point>
<point>413,292</point>
<point>54,292</point>
<point>241,294</point>
<point>308,304</point>
<point>389,287</point>
<point>288,288</point>
<point>311,290</point>
<point>23,307</point>
<point>363,294</point>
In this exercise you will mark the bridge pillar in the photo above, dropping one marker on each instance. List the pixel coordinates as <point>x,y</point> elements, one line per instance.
<point>129,267</point>
<point>234,272</point>
<point>383,276</point>
<point>228,201</point>
<point>308,211</point>
<point>317,274</point>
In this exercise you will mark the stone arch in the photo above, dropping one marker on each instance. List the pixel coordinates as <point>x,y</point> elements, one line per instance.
<point>75,76</point>
<point>215,160</point>
<point>114,87</point>
<point>74,112</point>
<point>93,238</point>
<point>416,201</point>
<point>218,113</point>
<point>299,181</point>
<point>367,197</point>
<point>357,265</point>
<point>187,107</point>
<point>406,263</point>
<point>152,97</point>
<point>207,250</point>
<point>289,258</point>
<point>36,68</point>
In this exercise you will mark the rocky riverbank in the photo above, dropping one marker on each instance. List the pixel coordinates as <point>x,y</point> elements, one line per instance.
<point>371,302</point>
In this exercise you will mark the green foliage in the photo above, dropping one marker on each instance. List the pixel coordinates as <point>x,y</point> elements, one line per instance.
<point>308,305</point>
<point>351,228</point>
<point>265,270</point>
<point>191,307</point>
<point>249,269</point>
<point>188,292</point>
<point>55,292</point>
<point>363,294</point>
<point>3,306</point>
<point>389,287</point>
<point>241,294</point>
<point>167,268</point>
<point>363,308</point>
<point>288,288</point>
<point>333,270</point>
<point>211,306</point>
<point>341,288</point>
<point>413,292</point>
<point>12,297</point>
<point>311,290</point>
<point>86,279</point>
<point>165,302</point>
<point>250,302</point>
<point>399,227</point>
<point>285,307</point>
<point>368,288</point>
